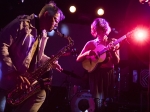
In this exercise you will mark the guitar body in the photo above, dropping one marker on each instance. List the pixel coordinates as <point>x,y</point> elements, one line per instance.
<point>91,62</point>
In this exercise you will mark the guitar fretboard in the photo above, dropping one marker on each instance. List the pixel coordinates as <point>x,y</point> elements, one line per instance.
<point>119,40</point>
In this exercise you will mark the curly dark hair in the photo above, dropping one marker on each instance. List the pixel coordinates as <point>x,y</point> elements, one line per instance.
<point>100,23</point>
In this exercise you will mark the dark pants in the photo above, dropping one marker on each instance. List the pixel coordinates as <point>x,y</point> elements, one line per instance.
<point>101,82</point>
<point>33,103</point>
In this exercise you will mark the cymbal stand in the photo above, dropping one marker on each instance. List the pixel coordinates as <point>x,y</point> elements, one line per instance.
<point>117,72</point>
<point>118,84</point>
<point>67,84</point>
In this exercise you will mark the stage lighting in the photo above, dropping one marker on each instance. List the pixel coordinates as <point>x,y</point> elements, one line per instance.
<point>100,12</point>
<point>143,1</point>
<point>141,34</point>
<point>50,34</point>
<point>65,29</point>
<point>72,9</point>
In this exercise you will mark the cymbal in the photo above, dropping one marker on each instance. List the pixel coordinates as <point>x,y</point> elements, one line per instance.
<point>70,73</point>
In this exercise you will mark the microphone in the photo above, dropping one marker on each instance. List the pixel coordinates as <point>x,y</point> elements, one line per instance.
<point>114,30</point>
<point>55,29</point>
<point>58,33</point>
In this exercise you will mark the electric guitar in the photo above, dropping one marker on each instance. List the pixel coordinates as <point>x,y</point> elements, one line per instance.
<point>90,64</point>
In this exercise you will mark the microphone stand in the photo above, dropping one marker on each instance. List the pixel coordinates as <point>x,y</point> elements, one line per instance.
<point>68,87</point>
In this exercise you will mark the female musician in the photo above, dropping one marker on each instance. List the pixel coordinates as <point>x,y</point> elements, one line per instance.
<point>101,76</point>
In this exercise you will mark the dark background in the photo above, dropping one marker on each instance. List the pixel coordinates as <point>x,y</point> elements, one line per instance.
<point>123,16</point>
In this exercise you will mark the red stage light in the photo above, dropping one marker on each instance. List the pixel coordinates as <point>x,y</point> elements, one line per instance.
<point>141,35</point>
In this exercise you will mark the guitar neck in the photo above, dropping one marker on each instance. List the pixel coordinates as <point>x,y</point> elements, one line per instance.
<point>115,43</point>
<point>119,40</point>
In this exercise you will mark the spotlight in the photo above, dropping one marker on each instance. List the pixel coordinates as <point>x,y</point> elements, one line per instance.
<point>143,1</point>
<point>22,1</point>
<point>100,12</point>
<point>141,35</point>
<point>72,9</point>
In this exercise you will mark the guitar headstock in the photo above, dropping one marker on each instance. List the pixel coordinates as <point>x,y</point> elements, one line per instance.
<point>130,34</point>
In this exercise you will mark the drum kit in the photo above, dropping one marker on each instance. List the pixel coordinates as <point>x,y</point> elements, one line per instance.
<point>79,100</point>
<point>82,101</point>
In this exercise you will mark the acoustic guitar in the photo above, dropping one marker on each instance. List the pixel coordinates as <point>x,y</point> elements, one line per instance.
<point>90,64</point>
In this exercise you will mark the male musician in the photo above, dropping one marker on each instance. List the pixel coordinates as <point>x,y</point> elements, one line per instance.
<point>101,78</point>
<point>22,44</point>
